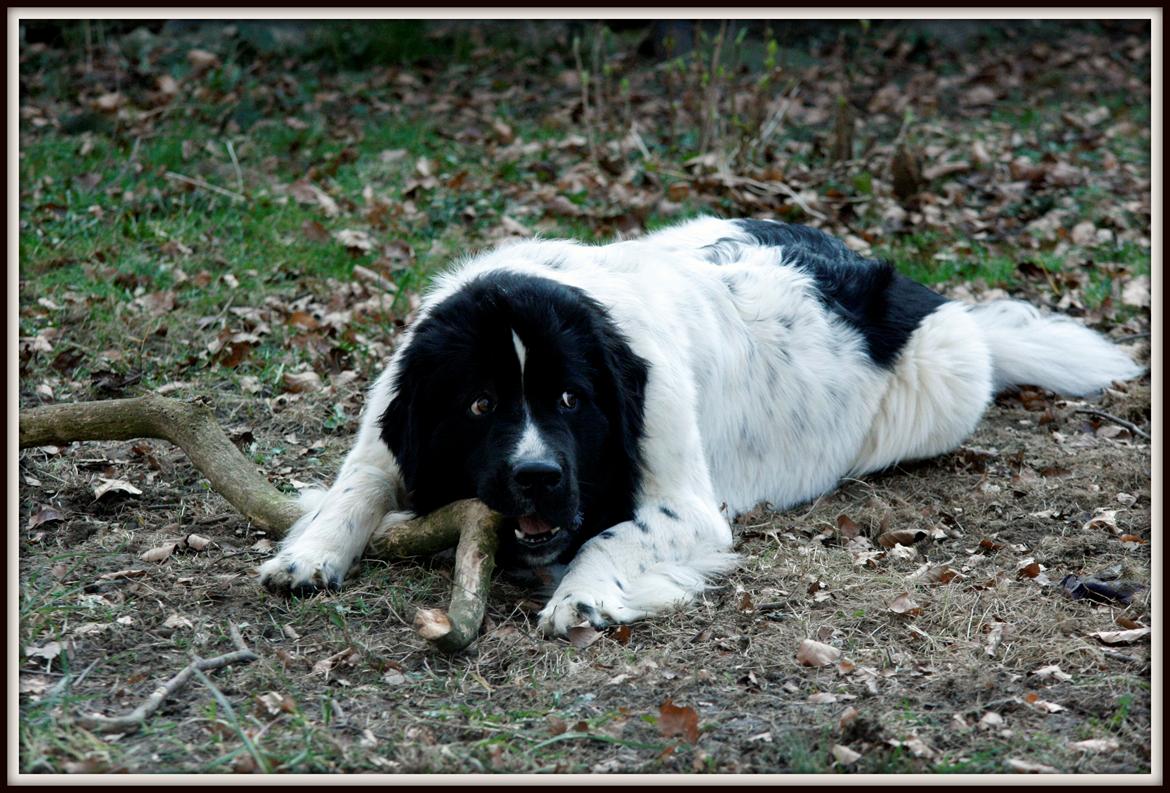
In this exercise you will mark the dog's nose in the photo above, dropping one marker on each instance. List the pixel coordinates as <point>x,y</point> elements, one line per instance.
<point>536,475</point>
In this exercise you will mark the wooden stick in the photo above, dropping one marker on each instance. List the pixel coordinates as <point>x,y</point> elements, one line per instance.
<point>136,718</point>
<point>192,427</point>
<point>1129,425</point>
<point>189,425</point>
<point>475,558</point>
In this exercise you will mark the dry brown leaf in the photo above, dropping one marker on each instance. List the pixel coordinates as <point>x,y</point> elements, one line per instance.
<point>814,653</point>
<point>274,703</point>
<point>994,637</point>
<point>159,554</point>
<point>198,542</point>
<point>904,604</point>
<point>847,527</point>
<point>901,537</point>
<point>582,636</point>
<point>108,486</point>
<point>109,103</point>
<point>674,720</point>
<point>44,515</point>
<point>822,698</point>
<point>302,382</point>
<point>327,665</point>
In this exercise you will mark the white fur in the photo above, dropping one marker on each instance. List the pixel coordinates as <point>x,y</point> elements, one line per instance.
<point>755,392</point>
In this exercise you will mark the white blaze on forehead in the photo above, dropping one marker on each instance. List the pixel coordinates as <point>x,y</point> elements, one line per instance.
<point>531,445</point>
<point>521,353</point>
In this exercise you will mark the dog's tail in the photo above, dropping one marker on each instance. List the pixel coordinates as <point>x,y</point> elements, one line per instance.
<point>1049,350</point>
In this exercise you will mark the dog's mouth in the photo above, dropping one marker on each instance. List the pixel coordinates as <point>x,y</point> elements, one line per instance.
<point>532,531</point>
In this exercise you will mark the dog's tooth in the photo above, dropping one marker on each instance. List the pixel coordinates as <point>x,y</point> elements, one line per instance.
<point>554,531</point>
<point>519,534</point>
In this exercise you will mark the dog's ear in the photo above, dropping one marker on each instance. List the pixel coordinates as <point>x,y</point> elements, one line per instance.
<point>626,392</point>
<point>401,432</point>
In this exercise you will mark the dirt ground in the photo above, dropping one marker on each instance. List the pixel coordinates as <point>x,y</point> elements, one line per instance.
<point>963,680</point>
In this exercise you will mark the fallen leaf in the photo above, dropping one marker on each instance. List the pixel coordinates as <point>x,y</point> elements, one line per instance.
<point>1120,637</point>
<point>1102,519</point>
<point>901,537</point>
<point>108,486</point>
<point>302,382</point>
<point>158,554</point>
<point>1033,699</point>
<point>582,636</point>
<point>1028,767</point>
<point>198,542</point>
<point>176,621</point>
<point>822,698</point>
<point>1101,591</point>
<point>274,703</point>
<point>47,651</point>
<point>355,240</point>
<point>44,515</point>
<point>674,720</point>
<point>904,604</point>
<point>1136,292</point>
<point>813,653</point>
<point>202,59</point>
<point>1053,671</point>
<point>327,665</point>
<point>991,720</point>
<point>847,527</point>
<point>122,574</point>
<point>994,637</point>
<point>1096,745</point>
<point>844,755</point>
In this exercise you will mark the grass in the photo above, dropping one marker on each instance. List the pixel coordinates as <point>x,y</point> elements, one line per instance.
<point>105,231</point>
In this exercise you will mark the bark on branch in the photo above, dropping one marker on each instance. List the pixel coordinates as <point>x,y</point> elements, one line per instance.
<point>192,427</point>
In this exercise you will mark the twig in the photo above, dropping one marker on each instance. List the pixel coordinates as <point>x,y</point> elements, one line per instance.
<point>231,713</point>
<point>1129,425</point>
<point>189,425</point>
<point>236,164</point>
<point>136,718</point>
<point>206,186</point>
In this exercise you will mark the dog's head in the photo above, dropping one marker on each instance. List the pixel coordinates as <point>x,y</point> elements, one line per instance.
<point>520,391</point>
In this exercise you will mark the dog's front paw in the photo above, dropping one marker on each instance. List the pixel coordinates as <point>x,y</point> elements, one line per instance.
<point>300,570</point>
<point>571,607</point>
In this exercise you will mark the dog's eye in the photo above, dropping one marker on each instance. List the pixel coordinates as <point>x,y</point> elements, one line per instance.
<point>569,400</point>
<point>482,406</point>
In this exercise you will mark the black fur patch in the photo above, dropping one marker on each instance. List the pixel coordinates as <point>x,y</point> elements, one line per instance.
<point>463,350</point>
<point>870,295</point>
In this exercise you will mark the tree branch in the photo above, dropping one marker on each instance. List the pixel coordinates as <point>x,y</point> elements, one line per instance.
<point>192,427</point>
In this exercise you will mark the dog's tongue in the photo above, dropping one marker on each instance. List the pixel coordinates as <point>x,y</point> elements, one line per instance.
<point>531,524</point>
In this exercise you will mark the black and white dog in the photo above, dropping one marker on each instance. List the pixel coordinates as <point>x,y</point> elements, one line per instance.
<point>620,403</point>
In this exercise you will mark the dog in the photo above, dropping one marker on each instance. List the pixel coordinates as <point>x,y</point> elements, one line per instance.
<point>619,404</point>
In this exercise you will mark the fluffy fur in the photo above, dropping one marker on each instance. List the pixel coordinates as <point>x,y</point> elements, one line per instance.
<point>622,402</point>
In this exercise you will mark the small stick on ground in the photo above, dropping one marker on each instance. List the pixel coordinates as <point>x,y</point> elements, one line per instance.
<point>136,718</point>
<point>1129,425</point>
